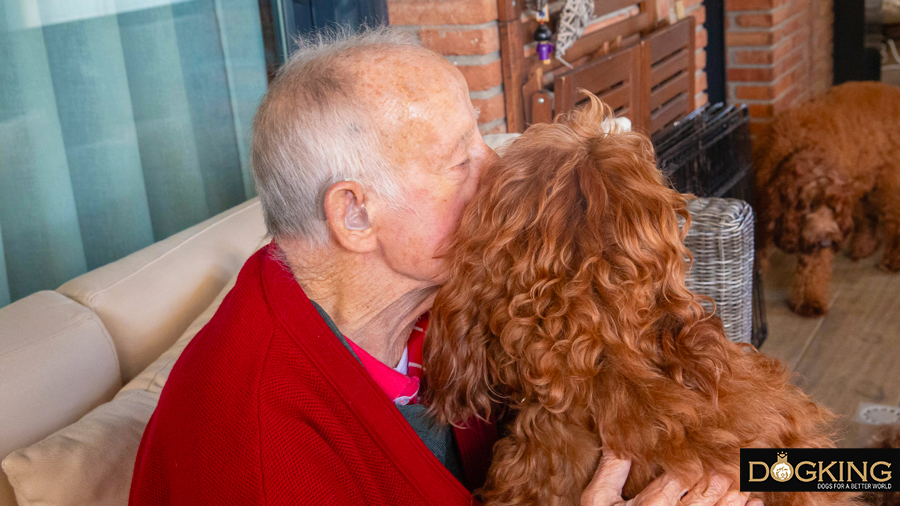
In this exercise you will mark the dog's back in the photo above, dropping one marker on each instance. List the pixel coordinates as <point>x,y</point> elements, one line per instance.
<point>857,124</point>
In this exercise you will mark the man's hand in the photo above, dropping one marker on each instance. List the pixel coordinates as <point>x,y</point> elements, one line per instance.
<point>606,489</point>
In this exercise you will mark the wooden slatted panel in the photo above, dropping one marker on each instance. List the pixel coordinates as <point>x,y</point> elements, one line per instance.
<point>667,75</point>
<point>604,7</point>
<point>614,78</point>
<point>668,113</point>
<point>670,39</point>
<point>618,97</point>
<point>671,89</point>
<point>669,67</point>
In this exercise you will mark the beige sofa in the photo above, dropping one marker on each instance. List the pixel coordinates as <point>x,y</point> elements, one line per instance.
<point>64,354</point>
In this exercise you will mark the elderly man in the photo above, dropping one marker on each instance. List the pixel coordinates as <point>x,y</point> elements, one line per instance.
<point>302,389</point>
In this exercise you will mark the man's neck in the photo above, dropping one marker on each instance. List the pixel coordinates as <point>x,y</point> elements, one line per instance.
<point>370,304</point>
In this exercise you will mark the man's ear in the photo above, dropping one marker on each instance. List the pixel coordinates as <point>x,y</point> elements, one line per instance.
<point>348,218</point>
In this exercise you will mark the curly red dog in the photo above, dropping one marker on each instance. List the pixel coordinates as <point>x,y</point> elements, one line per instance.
<point>829,174</point>
<point>567,313</point>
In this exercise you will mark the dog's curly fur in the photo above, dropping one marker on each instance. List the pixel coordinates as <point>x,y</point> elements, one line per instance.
<point>826,171</point>
<point>567,310</point>
<point>887,436</point>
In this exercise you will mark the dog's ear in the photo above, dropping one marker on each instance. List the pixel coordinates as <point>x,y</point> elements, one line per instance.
<point>456,359</point>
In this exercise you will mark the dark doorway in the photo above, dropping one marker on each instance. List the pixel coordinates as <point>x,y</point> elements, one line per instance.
<point>849,40</point>
<point>715,50</point>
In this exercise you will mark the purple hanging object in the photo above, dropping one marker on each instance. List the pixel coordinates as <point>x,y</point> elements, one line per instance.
<point>544,49</point>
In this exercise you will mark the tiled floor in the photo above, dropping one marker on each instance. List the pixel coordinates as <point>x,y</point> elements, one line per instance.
<point>852,354</point>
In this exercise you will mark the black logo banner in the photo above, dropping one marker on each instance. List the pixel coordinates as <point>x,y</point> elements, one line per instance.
<point>820,469</point>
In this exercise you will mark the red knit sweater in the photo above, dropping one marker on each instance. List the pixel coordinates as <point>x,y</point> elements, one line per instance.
<point>266,406</point>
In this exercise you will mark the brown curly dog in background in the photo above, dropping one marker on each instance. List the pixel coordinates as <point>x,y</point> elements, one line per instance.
<point>887,436</point>
<point>567,314</point>
<point>829,170</point>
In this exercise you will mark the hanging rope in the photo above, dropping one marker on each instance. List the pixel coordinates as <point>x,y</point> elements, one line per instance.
<point>572,22</point>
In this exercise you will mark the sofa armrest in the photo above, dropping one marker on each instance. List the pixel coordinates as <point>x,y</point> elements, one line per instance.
<point>57,362</point>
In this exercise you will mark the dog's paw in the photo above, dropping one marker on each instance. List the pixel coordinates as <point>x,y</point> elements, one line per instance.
<point>862,248</point>
<point>809,308</point>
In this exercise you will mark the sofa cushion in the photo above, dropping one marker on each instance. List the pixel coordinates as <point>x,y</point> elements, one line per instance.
<point>148,299</point>
<point>57,362</point>
<point>92,460</point>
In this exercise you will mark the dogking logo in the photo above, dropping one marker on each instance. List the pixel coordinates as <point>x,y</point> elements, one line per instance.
<point>782,471</point>
<point>819,469</point>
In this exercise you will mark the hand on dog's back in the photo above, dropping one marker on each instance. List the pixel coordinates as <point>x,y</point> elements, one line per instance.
<point>605,489</point>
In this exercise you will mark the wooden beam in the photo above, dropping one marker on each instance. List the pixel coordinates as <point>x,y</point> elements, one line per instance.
<point>511,60</point>
<point>541,108</point>
<point>509,10</point>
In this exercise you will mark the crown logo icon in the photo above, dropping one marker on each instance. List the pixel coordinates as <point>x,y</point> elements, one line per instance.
<point>782,470</point>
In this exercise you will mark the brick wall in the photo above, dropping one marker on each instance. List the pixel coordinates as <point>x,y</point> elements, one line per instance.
<point>695,8</point>
<point>779,53</point>
<point>466,33</point>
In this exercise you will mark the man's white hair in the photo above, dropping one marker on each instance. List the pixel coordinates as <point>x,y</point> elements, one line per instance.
<point>312,130</point>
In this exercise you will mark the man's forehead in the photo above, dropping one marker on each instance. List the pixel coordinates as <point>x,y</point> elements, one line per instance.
<point>423,108</point>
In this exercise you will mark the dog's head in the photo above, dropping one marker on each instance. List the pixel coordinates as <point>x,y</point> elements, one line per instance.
<point>807,204</point>
<point>570,246</point>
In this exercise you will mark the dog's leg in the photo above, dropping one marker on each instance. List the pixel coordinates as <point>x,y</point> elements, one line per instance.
<point>812,280</point>
<point>887,193</point>
<point>865,240</point>
<point>548,459</point>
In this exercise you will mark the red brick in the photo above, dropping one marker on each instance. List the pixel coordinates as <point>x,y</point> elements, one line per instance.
<point>760,110</point>
<point>753,57</point>
<point>461,42</point>
<point>700,100</point>
<point>482,77</point>
<point>700,38</point>
<point>753,92</point>
<point>751,5</point>
<point>785,81</point>
<point>699,14</point>
<point>790,43</point>
<point>700,59</point>
<point>792,96</point>
<point>662,9</point>
<point>496,129</point>
<point>789,27</point>
<point>749,74</point>
<point>740,39</point>
<point>441,12</point>
<point>491,108</point>
<point>788,62</point>
<point>755,20</point>
<point>700,83</point>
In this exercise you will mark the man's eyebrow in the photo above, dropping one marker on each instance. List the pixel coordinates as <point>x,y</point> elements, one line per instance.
<point>460,144</point>
<point>465,138</point>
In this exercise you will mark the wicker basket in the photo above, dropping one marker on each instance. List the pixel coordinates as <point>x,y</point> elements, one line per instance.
<point>721,242</point>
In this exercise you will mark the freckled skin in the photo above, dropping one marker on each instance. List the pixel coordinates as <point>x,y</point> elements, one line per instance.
<point>425,104</point>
